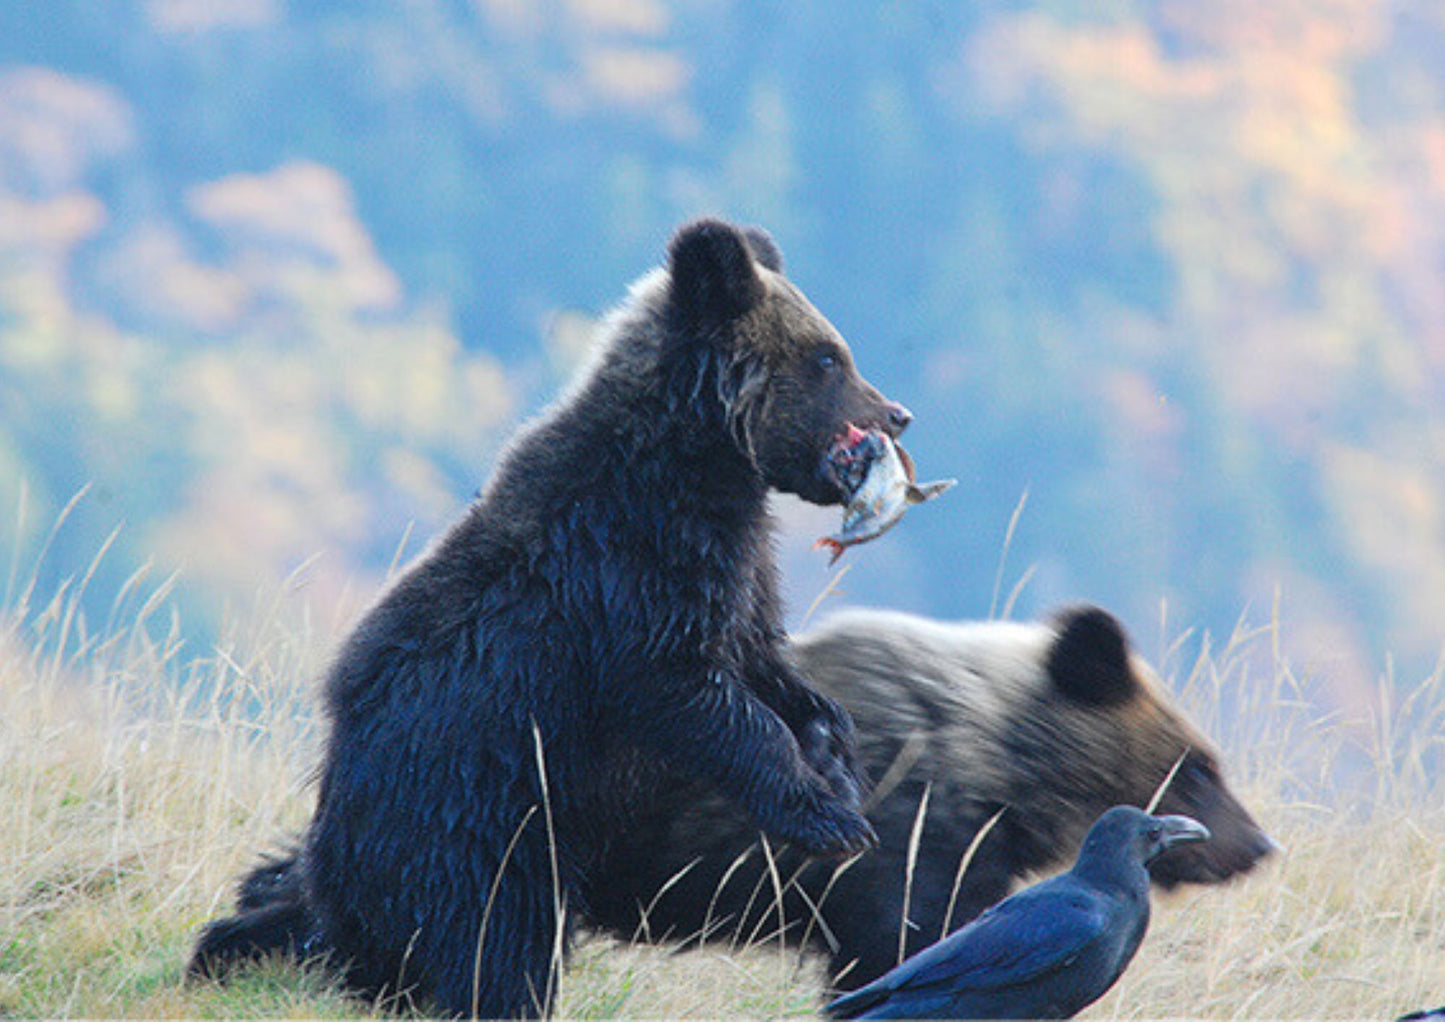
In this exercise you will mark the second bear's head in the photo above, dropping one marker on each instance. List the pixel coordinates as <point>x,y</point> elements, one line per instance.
<point>784,378</point>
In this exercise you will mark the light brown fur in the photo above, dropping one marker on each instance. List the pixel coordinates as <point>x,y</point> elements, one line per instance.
<point>1050,722</point>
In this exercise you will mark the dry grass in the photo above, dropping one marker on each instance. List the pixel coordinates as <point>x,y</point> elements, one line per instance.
<point>1349,921</point>
<point>137,780</point>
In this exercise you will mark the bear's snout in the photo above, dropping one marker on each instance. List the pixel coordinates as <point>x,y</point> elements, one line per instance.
<point>896,419</point>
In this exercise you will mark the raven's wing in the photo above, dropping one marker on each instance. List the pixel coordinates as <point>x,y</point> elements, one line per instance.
<point>1033,933</point>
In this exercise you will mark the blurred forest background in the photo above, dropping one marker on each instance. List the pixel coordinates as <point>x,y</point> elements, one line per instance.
<point>277,277</point>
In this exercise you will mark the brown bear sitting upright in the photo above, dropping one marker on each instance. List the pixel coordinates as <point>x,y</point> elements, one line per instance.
<point>602,621</point>
<point>1050,723</point>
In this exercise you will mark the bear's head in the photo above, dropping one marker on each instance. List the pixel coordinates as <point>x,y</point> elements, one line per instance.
<point>784,377</point>
<point>1131,737</point>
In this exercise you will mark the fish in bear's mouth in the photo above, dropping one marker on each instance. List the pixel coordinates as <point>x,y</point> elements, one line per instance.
<point>878,480</point>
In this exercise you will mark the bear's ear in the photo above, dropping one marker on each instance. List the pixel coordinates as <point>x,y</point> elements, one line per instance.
<point>765,249</point>
<point>1089,660</point>
<point>713,278</point>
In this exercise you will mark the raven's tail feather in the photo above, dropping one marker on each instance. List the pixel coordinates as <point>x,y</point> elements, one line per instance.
<point>854,1003</point>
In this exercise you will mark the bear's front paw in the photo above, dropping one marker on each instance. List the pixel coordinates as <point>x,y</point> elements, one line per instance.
<point>826,743</point>
<point>829,829</point>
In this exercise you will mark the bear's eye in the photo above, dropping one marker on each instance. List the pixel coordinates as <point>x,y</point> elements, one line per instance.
<point>827,359</point>
<point>1198,772</point>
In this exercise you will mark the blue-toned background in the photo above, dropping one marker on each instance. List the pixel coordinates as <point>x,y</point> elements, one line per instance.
<point>278,276</point>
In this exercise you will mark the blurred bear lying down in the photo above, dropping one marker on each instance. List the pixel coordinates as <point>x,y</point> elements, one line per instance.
<point>1045,724</point>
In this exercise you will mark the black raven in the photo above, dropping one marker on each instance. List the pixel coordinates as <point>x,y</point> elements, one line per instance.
<point>1049,950</point>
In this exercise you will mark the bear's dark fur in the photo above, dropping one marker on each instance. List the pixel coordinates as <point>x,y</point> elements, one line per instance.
<point>604,618</point>
<point>1051,723</point>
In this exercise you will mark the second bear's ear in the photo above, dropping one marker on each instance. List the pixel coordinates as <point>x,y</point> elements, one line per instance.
<point>1089,660</point>
<point>713,278</point>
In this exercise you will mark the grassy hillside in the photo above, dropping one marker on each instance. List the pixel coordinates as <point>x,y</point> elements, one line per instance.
<point>279,277</point>
<point>137,780</point>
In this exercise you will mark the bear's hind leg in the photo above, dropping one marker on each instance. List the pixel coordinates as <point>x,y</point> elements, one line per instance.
<point>504,960</point>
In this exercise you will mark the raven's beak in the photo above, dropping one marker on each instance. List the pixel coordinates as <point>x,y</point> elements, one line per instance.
<point>1178,830</point>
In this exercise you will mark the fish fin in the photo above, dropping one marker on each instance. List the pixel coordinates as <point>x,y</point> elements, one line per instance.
<point>829,543</point>
<point>927,491</point>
